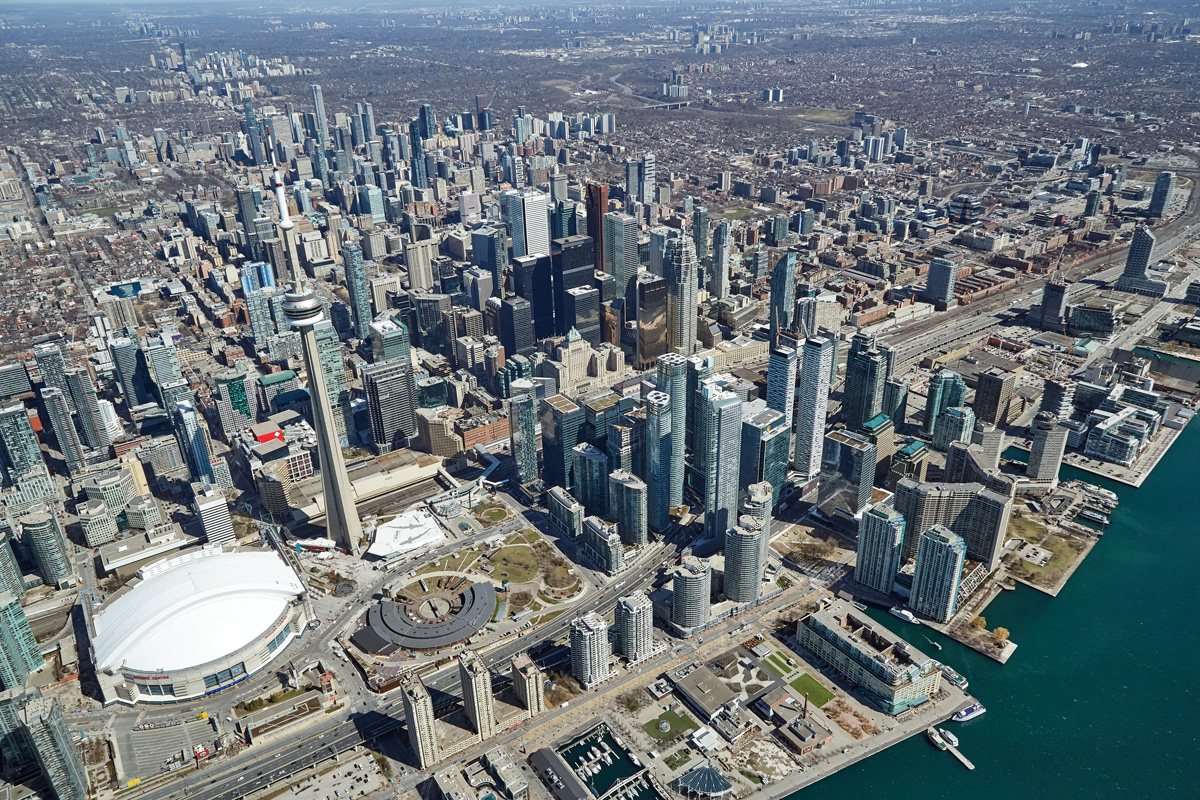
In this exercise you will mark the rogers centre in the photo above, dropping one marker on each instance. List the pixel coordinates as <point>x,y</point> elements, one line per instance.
<point>195,625</point>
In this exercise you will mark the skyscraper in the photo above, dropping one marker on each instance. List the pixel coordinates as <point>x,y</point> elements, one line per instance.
<point>571,265</point>
<point>590,650</point>
<point>478,700</point>
<point>627,506</point>
<point>700,232</point>
<point>57,753</point>
<point>946,389</point>
<point>1164,193</point>
<point>193,444</point>
<point>993,391</point>
<point>522,420</point>
<point>781,381</point>
<point>418,712</point>
<point>533,279</point>
<point>756,514</point>
<point>87,403</point>
<point>561,421</point>
<point>783,294</point>
<point>867,369</point>
<point>672,379</point>
<point>938,573</point>
<point>356,284</point>
<point>212,508</point>
<point>597,208</point>
<point>646,179</point>
<point>322,120</point>
<point>1135,277</point>
<point>391,398</point>
<point>766,440</point>
<point>848,468</point>
<point>722,239</point>
<point>635,626</point>
<point>64,429</point>
<point>880,542</point>
<point>517,327</point>
<point>53,366</point>
<point>1049,442</point>
<point>529,223</point>
<point>680,273</point>
<point>19,653</point>
<point>691,593</point>
<point>743,564</point>
<point>658,441</point>
<point>813,404</point>
<point>591,478</point>
<point>977,514</point>
<point>939,282</point>
<point>954,424</point>
<point>719,440</point>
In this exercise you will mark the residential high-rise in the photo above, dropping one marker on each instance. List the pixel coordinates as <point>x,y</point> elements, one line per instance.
<point>880,542</point>
<point>19,652</point>
<point>322,120</point>
<point>781,381</point>
<point>783,294</point>
<point>658,461</point>
<point>977,514</point>
<point>868,367</point>
<point>212,508</point>
<point>635,626</point>
<point>938,573</point>
<point>756,514</point>
<point>16,747</point>
<point>765,443</point>
<point>87,403</point>
<point>691,593</point>
<point>954,424</point>
<point>356,285</point>
<point>529,684</point>
<point>1058,397</point>
<point>1164,193</point>
<point>529,223</point>
<point>304,313</point>
<point>132,372</point>
<point>561,421</point>
<point>719,440</point>
<point>627,506</point>
<point>236,401</point>
<point>646,180</point>
<point>418,712</point>
<point>596,201</point>
<point>672,379</point>
<point>993,391</point>
<point>522,421</point>
<point>40,527</point>
<point>722,240</point>
<point>19,451</point>
<point>813,404</point>
<point>11,577</point>
<point>1049,442</point>
<point>57,753</point>
<point>590,650</point>
<point>848,462</point>
<point>193,443</point>
<point>946,389</point>
<point>743,564</point>
<point>939,282</point>
<point>700,232</point>
<point>679,267</point>
<point>64,429</point>
<point>1135,277</point>
<point>895,399</point>
<point>602,542</point>
<point>478,699</point>
<point>391,399</point>
<point>53,365</point>
<point>1052,311</point>
<point>591,478</point>
<point>99,526</point>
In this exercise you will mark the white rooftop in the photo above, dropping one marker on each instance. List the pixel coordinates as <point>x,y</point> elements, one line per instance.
<point>415,529</point>
<point>194,609</point>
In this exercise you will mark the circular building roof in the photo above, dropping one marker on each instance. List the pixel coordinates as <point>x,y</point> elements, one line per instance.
<point>194,609</point>
<point>389,626</point>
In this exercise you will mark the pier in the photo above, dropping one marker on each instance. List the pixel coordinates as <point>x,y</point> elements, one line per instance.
<point>966,762</point>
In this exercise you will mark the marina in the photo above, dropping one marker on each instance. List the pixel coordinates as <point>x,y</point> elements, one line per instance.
<point>606,767</point>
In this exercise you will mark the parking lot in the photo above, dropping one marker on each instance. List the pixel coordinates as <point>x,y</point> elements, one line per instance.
<point>355,777</point>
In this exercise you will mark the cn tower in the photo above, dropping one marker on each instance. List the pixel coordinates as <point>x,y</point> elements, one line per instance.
<point>304,310</point>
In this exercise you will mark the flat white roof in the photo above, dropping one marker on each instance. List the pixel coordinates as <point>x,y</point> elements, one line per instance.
<point>415,529</point>
<point>192,610</point>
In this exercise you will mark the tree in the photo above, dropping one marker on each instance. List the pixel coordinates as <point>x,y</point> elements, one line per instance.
<point>1000,636</point>
<point>979,622</point>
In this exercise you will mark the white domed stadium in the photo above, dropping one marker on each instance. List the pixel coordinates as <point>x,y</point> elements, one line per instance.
<point>195,625</point>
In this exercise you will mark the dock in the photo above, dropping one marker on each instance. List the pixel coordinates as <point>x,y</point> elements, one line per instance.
<point>966,762</point>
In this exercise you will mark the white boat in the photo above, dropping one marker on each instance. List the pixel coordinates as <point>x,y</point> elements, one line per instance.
<point>608,759</point>
<point>902,613</point>
<point>595,752</point>
<point>1100,491</point>
<point>617,739</point>
<point>634,759</point>
<point>970,712</point>
<point>954,677</point>
<point>950,738</point>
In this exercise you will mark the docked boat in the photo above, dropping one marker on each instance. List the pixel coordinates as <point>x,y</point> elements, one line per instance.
<point>902,613</point>
<point>608,759</point>
<point>617,739</point>
<point>595,752</point>
<point>634,759</point>
<point>954,677</point>
<point>950,738</point>
<point>859,606</point>
<point>969,713</point>
<point>1100,491</point>
<point>935,737</point>
<point>1091,515</point>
